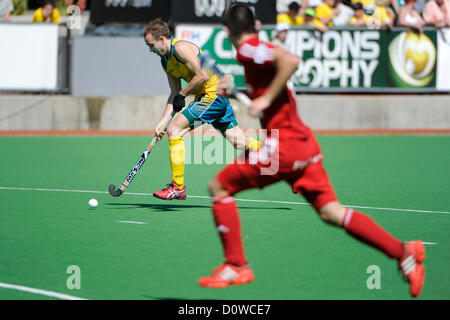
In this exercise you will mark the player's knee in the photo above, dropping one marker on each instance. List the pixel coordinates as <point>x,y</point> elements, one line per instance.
<point>213,186</point>
<point>216,189</point>
<point>173,130</point>
<point>332,213</point>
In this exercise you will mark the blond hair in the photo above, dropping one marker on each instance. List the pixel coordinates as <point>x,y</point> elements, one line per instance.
<point>158,28</point>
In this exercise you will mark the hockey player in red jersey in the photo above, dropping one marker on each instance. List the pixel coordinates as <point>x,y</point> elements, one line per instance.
<point>291,144</point>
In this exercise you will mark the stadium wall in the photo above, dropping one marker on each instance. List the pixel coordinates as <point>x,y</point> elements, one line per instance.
<point>115,66</point>
<point>320,112</point>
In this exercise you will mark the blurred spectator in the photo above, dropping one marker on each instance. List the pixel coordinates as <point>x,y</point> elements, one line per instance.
<point>409,17</point>
<point>345,13</point>
<point>359,19</point>
<point>80,3</point>
<point>383,16</point>
<point>326,12</point>
<point>282,5</point>
<point>292,16</point>
<point>420,5</point>
<point>312,3</point>
<point>368,5</point>
<point>312,21</point>
<point>437,13</point>
<point>397,5</point>
<point>6,7</point>
<point>281,31</point>
<point>47,13</point>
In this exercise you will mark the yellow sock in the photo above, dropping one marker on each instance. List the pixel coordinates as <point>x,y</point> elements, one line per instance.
<point>176,156</point>
<point>253,145</point>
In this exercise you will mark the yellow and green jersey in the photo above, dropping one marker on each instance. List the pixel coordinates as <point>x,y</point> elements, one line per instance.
<point>324,11</point>
<point>354,20</point>
<point>38,16</point>
<point>175,67</point>
<point>284,17</point>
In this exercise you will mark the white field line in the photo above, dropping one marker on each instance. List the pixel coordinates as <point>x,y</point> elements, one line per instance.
<point>132,222</point>
<point>237,199</point>
<point>39,291</point>
<point>427,243</point>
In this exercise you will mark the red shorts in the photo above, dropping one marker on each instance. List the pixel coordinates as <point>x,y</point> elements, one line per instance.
<point>296,161</point>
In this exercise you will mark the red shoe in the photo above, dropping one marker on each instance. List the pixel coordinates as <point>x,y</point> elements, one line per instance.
<point>411,265</point>
<point>227,274</point>
<point>171,192</point>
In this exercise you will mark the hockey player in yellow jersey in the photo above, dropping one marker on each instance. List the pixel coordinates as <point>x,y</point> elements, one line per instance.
<point>180,60</point>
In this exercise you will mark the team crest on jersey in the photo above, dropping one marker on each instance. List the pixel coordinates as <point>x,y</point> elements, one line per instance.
<point>259,54</point>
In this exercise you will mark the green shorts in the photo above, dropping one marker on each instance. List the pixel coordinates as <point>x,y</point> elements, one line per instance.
<point>217,112</point>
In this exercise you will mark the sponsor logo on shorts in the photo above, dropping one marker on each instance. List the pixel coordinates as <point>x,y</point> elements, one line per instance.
<point>300,165</point>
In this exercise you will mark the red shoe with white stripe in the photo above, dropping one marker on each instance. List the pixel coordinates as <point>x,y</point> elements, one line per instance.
<point>170,192</point>
<point>411,265</point>
<point>227,274</point>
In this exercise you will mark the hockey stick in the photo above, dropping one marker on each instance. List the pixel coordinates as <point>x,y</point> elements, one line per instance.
<point>117,192</point>
<point>207,60</point>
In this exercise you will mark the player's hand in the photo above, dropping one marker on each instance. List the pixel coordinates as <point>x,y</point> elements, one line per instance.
<point>159,132</point>
<point>178,102</point>
<point>258,105</point>
<point>226,85</point>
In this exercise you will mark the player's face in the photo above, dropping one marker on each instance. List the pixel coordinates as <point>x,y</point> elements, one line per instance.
<point>47,10</point>
<point>282,35</point>
<point>156,46</point>
<point>359,13</point>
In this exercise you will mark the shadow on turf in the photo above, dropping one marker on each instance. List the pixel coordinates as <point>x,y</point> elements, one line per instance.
<point>179,207</point>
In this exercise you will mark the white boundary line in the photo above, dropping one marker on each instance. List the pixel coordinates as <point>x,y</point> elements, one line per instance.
<point>237,199</point>
<point>39,291</point>
<point>132,222</point>
<point>69,297</point>
<point>426,243</point>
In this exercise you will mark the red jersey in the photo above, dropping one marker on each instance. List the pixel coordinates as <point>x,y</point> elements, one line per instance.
<point>257,57</point>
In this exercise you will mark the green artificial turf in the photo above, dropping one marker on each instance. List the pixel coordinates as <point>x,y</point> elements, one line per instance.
<point>293,253</point>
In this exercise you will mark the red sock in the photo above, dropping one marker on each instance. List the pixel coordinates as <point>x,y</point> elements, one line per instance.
<point>363,228</point>
<point>228,225</point>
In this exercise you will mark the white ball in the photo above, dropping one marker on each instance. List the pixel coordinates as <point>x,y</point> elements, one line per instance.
<point>93,203</point>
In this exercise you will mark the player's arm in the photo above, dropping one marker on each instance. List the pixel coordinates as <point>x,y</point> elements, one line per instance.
<point>285,64</point>
<point>188,54</point>
<point>175,87</point>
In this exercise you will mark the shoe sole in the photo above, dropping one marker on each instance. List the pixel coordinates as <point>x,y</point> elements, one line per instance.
<point>224,285</point>
<point>174,198</point>
<point>416,290</point>
<point>227,284</point>
<point>419,256</point>
<point>241,283</point>
<point>215,286</point>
